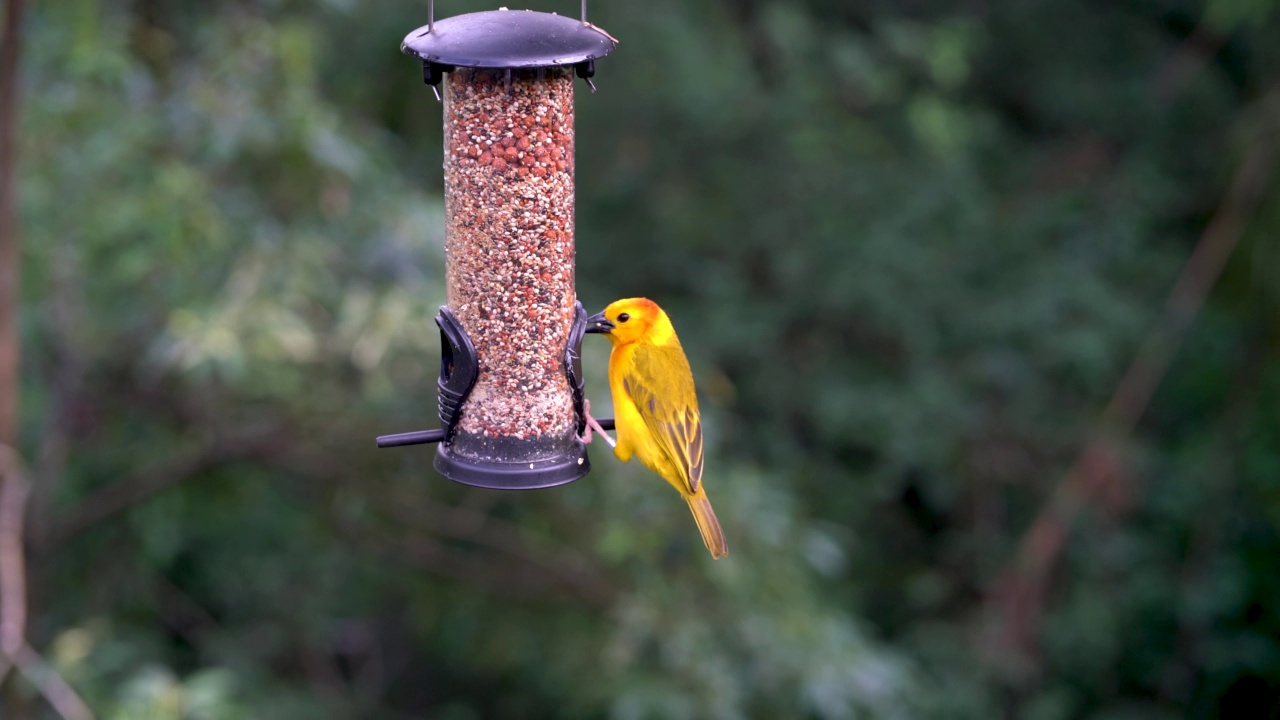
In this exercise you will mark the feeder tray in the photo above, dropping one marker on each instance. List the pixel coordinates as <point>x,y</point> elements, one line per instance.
<point>511,401</point>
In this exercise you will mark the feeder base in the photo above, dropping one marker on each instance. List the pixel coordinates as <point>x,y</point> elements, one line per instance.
<point>513,476</point>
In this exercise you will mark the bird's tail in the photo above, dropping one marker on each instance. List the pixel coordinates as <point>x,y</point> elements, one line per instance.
<point>712,535</point>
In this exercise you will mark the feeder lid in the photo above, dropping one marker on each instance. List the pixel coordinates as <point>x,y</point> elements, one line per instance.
<point>507,39</point>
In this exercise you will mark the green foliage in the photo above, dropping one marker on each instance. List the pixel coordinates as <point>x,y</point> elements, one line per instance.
<point>910,250</point>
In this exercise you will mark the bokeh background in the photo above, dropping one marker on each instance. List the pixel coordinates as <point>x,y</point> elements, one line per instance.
<point>981,297</point>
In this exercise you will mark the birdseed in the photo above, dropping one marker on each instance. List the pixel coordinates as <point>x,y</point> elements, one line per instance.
<point>509,200</point>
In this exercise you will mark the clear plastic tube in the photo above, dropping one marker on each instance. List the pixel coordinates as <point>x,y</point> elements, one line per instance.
<point>509,244</point>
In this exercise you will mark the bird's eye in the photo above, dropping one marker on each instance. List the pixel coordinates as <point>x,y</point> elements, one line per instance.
<point>624,317</point>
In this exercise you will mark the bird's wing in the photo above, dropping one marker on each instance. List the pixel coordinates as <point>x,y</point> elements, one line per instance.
<point>660,384</point>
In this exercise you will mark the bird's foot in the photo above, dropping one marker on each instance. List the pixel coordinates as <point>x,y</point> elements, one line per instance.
<point>593,425</point>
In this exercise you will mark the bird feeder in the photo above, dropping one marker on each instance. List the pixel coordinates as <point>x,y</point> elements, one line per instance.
<point>510,387</point>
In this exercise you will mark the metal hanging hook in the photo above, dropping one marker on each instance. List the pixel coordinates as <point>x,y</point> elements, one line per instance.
<point>584,12</point>
<point>431,14</point>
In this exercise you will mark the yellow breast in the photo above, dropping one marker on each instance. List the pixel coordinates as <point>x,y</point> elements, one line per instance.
<point>634,437</point>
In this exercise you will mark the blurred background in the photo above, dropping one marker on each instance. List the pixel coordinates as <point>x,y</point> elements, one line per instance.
<point>981,298</point>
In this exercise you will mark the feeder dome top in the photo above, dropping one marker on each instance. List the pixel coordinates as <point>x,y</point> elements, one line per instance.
<point>507,39</point>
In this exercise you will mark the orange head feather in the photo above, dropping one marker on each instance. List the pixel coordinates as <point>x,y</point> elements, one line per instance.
<point>632,320</point>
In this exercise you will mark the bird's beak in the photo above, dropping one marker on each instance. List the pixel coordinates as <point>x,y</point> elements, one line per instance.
<point>598,323</point>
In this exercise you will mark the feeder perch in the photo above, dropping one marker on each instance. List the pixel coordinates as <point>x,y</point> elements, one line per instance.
<point>510,388</point>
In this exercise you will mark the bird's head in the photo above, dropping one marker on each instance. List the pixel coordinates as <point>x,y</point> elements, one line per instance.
<point>627,320</point>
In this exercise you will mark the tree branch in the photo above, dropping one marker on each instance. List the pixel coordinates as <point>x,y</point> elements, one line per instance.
<point>569,567</point>
<point>14,650</point>
<point>55,690</point>
<point>1016,602</point>
<point>523,562</point>
<point>13,571</point>
<point>14,488</point>
<point>66,303</point>
<point>428,555</point>
<point>10,257</point>
<point>158,477</point>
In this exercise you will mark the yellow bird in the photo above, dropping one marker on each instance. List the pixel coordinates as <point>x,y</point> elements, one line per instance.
<point>655,404</point>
